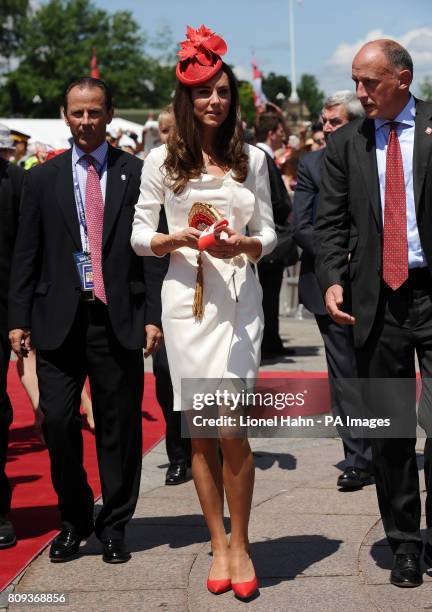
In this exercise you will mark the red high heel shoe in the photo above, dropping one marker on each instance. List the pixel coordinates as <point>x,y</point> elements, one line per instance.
<point>219,586</point>
<point>245,590</point>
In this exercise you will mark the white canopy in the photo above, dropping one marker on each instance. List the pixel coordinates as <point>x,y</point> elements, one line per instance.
<point>55,132</point>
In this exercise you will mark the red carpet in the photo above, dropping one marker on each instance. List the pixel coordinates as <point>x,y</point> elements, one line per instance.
<point>313,385</point>
<point>34,512</point>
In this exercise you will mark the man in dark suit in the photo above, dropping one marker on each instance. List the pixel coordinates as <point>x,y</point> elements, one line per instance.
<point>178,449</point>
<point>11,178</point>
<point>270,133</point>
<point>88,304</point>
<point>339,109</point>
<point>375,242</point>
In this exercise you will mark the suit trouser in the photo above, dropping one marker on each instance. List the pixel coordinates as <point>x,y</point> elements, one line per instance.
<point>270,277</point>
<point>5,421</point>
<point>346,399</point>
<point>178,449</point>
<point>116,383</point>
<point>402,329</point>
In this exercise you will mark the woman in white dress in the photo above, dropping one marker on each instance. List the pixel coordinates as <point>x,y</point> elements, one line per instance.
<point>205,160</point>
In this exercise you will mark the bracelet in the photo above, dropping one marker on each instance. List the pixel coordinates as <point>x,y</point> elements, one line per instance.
<point>239,242</point>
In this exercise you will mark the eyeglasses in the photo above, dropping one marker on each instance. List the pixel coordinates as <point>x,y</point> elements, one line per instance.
<point>318,141</point>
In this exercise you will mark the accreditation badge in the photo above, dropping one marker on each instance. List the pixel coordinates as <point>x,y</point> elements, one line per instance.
<point>85,272</point>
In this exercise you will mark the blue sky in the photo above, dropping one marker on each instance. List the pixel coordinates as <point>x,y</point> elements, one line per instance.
<point>328,32</point>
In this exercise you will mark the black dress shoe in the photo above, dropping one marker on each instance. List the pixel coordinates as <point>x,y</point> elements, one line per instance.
<point>176,474</point>
<point>7,533</point>
<point>354,478</point>
<point>427,555</point>
<point>406,570</point>
<point>276,351</point>
<point>114,551</point>
<point>65,546</point>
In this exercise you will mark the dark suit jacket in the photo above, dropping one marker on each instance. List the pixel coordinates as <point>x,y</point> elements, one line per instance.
<point>349,218</point>
<point>45,288</point>
<point>306,201</point>
<point>281,203</point>
<point>281,207</point>
<point>11,179</point>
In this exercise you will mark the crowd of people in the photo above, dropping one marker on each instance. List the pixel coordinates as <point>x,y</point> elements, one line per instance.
<point>101,259</point>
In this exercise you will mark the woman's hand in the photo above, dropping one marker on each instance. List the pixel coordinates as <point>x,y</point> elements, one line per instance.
<point>186,238</point>
<point>235,244</point>
<point>162,244</point>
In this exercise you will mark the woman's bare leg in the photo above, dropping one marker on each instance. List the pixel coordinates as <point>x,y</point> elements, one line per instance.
<point>26,369</point>
<point>207,475</point>
<point>238,480</point>
<point>87,408</point>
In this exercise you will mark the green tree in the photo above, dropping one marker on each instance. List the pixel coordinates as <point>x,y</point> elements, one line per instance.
<point>12,15</point>
<point>161,83</point>
<point>247,102</point>
<point>274,84</point>
<point>161,66</point>
<point>309,93</point>
<point>426,89</point>
<point>57,42</point>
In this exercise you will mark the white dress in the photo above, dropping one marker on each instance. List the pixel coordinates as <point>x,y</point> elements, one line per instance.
<point>226,342</point>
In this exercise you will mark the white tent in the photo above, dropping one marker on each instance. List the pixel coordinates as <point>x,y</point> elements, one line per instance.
<point>55,132</point>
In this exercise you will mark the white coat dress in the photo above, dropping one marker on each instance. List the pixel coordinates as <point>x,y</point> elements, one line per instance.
<point>226,343</point>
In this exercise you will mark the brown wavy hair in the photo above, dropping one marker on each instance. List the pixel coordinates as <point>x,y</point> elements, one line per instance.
<point>184,159</point>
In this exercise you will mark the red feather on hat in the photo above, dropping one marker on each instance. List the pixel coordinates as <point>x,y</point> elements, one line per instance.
<point>201,44</point>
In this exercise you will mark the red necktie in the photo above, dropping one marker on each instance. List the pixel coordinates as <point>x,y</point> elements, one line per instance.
<point>94,218</point>
<point>395,249</point>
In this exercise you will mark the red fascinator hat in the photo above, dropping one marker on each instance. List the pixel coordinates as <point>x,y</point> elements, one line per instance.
<point>200,56</point>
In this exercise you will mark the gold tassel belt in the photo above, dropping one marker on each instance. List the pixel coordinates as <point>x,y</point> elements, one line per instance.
<point>201,216</point>
<point>198,304</point>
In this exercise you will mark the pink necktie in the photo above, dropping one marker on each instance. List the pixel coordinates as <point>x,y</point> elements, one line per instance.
<point>94,218</point>
<point>395,248</point>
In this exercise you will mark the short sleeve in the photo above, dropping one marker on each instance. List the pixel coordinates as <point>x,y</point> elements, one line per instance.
<point>147,209</point>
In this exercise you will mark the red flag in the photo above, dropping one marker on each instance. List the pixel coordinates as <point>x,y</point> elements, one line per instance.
<point>94,70</point>
<point>260,98</point>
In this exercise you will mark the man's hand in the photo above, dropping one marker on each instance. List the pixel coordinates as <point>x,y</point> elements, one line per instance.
<point>20,340</point>
<point>334,299</point>
<point>154,339</point>
<point>276,109</point>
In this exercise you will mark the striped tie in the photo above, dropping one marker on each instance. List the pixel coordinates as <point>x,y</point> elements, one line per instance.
<point>94,218</point>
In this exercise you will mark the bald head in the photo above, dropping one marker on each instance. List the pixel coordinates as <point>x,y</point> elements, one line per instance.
<point>396,55</point>
<point>382,71</point>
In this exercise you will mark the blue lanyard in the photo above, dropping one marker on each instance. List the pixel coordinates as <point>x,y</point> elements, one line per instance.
<point>81,209</point>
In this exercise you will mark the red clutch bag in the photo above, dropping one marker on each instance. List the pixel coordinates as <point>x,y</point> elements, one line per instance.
<point>207,219</point>
<point>208,237</point>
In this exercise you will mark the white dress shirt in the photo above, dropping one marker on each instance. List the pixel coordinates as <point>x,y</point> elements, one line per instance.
<point>405,131</point>
<point>264,146</point>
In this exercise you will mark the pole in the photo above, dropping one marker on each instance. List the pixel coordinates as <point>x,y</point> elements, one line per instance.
<point>294,96</point>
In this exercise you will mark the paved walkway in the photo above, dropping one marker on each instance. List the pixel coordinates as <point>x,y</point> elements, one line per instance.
<point>314,548</point>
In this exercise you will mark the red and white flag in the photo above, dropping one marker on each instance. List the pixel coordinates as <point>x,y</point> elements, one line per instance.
<point>94,70</point>
<point>260,98</point>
